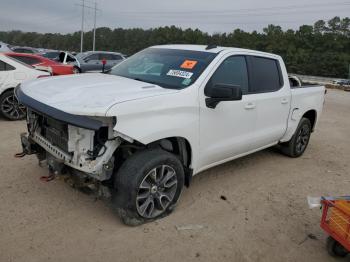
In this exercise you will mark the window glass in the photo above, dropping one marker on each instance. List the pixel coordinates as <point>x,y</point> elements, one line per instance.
<point>70,58</point>
<point>264,75</point>
<point>51,55</point>
<point>27,60</point>
<point>92,57</point>
<point>2,66</point>
<point>233,71</point>
<point>110,57</point>
<point>115,57</point>
<point>6,67</point>
<point>23,50</point>
<point>168,68</point>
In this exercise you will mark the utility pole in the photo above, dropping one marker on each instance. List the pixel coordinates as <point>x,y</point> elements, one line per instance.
<point>82,27</point>
<point>83,6</point>
<point>94,37</point>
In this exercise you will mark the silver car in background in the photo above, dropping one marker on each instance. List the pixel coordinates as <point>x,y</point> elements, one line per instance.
<point>92,61</point>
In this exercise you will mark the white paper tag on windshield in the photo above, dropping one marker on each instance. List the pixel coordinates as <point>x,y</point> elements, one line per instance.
<point>179,73</point>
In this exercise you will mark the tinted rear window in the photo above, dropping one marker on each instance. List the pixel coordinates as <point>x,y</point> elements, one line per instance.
<point>264,75</point>
<point>27,60</point>
<point>6,67</point>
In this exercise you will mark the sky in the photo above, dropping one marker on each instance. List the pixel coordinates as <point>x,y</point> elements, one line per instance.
<point>212,16</point>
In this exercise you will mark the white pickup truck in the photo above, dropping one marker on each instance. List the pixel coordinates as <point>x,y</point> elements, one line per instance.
<point>163,115</point>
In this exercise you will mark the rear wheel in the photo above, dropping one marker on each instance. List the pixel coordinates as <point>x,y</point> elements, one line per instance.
<point>10,108</point>
<point>147,186</point>
<point>335,249</point>
<point>300,140</point>
<point>76,70</point>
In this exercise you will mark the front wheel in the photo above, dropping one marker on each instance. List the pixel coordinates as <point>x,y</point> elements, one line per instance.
<point>148,186</point>
<point>300,140</point>
<point>10,108</point>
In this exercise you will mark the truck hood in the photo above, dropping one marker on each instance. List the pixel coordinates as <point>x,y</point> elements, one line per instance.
<point>89,94</point>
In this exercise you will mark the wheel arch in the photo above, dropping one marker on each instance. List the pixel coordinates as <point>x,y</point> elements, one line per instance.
<point>178,146</point>
<point>181,147</point>
<point>312,116</point>
<point>7,89</point>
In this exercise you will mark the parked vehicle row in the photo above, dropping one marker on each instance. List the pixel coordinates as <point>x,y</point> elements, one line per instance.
<point>165,114</point>
<point>40,62</point>
<point>91,61</point>
<point>342,82</point>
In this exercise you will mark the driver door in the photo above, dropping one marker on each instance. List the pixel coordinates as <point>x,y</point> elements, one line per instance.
<point>226,131</point>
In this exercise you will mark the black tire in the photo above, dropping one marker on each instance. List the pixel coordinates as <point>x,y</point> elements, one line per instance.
<point>10,108</point>
<point>335,249</point>
<point>76,70</point>
<point>300,140</point>
<point>143,192</point>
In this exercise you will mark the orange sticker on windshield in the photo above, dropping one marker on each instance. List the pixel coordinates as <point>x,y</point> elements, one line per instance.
<point>189,64</point>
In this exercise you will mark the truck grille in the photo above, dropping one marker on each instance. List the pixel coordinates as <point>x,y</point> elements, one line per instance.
<point>56,133</point>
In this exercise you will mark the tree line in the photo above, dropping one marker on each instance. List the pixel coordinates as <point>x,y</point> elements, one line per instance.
<point>322,49</point>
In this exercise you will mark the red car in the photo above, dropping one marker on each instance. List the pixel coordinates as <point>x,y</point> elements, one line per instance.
<point>40,62</point>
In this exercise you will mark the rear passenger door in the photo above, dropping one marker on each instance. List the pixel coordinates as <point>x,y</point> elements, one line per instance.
<point>270,97</point>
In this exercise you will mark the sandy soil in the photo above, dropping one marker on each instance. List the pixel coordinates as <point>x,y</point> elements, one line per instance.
<point>265,216</point>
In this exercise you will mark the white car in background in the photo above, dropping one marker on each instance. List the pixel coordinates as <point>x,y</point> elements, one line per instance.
<point>5,48</point>
<point>12,73</point>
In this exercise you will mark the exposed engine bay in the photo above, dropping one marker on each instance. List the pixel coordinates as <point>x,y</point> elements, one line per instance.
<point>69,148</point>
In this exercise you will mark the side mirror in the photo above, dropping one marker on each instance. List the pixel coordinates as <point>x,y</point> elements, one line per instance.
<point>221,92</point>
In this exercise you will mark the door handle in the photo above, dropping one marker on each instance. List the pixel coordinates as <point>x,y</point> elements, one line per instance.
<point>284,101</point>
<point>249,106</point>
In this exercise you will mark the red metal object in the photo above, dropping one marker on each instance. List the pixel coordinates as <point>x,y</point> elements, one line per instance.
<point>39,61</point>
<point>336,221</point>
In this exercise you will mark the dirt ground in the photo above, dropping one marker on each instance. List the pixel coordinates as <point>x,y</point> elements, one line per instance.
<point>265,216</point>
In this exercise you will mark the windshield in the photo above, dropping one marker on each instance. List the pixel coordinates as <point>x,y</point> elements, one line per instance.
<point>168,68</point>
<point>82,55</point>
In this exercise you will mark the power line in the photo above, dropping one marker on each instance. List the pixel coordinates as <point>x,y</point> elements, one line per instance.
<point>303,6</point>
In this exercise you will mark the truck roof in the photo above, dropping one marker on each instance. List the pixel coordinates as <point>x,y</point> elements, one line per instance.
<point>215,50</point>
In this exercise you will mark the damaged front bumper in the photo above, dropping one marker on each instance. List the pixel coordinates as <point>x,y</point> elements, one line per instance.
<point>100,168</point>
<point>81,144</point>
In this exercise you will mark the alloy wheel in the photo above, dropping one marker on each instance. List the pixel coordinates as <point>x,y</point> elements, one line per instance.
<point>11,108</point>
<point>302,138</point>
<point>156,191</point>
